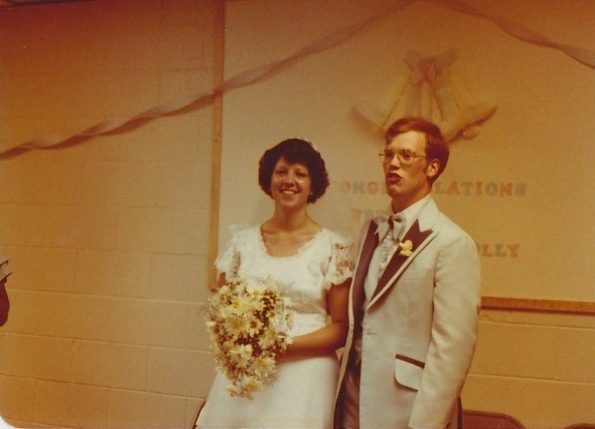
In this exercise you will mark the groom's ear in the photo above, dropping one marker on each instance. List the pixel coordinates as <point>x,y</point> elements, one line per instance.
<point>433,168</point>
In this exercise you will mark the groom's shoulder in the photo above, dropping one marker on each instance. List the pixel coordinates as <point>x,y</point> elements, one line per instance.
<point>449,228</point>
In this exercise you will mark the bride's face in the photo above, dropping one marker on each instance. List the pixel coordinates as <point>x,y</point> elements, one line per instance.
<point>291,184</point>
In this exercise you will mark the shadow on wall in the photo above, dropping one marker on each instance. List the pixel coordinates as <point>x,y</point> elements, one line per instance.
<point>473,419</point>
<point>487,420</point>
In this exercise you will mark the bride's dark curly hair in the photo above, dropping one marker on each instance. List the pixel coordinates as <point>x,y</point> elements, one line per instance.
<point>294,150</point>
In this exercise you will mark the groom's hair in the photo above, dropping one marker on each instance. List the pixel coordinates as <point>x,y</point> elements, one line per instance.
<point>294,150</point>
<point>436,146</point>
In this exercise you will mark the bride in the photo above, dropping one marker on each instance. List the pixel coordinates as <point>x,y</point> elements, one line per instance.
<point>313,267</point>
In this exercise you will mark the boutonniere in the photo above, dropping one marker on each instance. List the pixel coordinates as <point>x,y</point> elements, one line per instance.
<point>405,248</point>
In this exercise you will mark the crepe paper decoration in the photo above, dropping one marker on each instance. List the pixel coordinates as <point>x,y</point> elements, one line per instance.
<point>198,101</point>
<point>430,91</point>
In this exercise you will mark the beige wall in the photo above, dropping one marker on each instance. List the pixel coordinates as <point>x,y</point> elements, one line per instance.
<point>108,239</point>
<point>536,367</point>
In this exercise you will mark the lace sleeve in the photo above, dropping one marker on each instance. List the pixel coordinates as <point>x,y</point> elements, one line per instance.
<point>341,262</point>
<point>228,262</point>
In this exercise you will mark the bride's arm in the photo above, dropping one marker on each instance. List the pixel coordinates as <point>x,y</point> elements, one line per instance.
<point>220,282</point>
<point>332,336</point>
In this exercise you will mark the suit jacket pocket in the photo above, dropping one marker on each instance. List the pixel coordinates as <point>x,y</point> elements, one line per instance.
<point>408,371</point>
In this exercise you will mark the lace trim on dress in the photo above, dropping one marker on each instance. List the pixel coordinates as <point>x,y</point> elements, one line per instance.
<point>337,269</point>
<point>341,264</point>
<point>228,262</point>
<point>304,248</point>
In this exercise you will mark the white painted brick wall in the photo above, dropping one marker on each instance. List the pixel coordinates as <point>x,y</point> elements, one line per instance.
<point>107,238</point>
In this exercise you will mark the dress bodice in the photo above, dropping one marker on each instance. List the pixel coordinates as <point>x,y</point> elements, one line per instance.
<point>304,277</point>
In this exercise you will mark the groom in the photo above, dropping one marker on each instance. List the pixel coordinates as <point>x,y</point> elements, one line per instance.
<point>414,299</point>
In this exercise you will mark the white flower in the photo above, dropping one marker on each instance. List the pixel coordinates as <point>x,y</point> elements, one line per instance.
<point>265,366</point>
<point>243,304</point>
<point>268,339</point>
<point>242,355</point>
<point>248,321</point>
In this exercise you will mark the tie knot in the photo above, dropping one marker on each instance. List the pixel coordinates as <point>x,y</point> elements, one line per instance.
<point>396,222</point>
<point>392,224</point>
<point>396,219</point>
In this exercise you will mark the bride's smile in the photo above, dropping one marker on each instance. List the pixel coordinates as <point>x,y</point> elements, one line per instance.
<point>291,183</point>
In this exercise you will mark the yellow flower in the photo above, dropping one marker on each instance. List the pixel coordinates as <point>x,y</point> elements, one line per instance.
<point>242,354</point>
<point>244,304</point>
<point>234,390</point>
<point>268,339</point>
<point>265,366</point>
<point>236,326</point>
<point>248,321</point>
<point>406,248</point>
<point>225,313</point>
<point>251,384</point>
<point>254,327</point>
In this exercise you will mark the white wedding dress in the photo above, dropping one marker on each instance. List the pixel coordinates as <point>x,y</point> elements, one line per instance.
<point>303,394</point>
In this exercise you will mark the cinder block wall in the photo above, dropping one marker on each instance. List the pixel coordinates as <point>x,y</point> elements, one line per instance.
<point>108,238</point>
<point>537,367</point>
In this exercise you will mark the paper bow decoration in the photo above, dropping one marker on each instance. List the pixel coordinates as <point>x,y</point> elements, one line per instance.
<point>430,91</point>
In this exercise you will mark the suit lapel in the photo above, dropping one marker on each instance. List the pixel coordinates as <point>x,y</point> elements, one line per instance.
<point>399,262</point>
<point>361,271</point>
<point>416,237</point>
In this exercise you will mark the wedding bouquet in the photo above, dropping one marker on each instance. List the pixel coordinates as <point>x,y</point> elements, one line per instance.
<point>248,321</point>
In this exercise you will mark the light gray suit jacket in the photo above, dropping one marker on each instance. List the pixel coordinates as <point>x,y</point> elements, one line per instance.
<point>419,327</point>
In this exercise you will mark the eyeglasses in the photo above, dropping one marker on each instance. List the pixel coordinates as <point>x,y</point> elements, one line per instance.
<point>404,156</point>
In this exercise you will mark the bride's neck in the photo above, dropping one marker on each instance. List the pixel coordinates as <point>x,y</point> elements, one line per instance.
<point>290,221</point>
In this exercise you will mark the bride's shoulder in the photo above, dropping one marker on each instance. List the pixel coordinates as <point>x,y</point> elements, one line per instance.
<point>242,233</point>
<point>336,238</point>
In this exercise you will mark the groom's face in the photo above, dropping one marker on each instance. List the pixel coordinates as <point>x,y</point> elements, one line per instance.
<point>407,179</point>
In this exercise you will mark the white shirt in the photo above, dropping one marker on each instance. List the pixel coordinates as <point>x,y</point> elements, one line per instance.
<point>380,257</point>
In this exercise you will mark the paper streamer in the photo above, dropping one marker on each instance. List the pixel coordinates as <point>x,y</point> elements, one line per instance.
<point>255,75</point>
<point>521,32</point>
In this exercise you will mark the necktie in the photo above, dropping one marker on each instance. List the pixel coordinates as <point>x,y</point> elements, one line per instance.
<point>392,225</point>
<point>397,222</point>
<point>389,231</point>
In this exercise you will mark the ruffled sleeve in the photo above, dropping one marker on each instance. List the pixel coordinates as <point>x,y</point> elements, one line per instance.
<point>340,266</point>
<point>228,261</point>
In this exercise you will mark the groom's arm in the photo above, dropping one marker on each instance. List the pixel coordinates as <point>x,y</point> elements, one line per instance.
<point>454,330</point>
